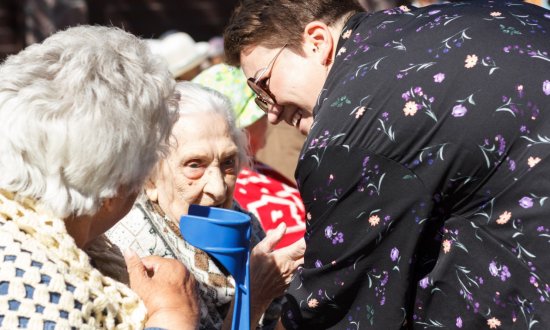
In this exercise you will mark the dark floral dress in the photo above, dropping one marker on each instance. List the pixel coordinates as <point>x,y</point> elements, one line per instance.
<point>426,174</point>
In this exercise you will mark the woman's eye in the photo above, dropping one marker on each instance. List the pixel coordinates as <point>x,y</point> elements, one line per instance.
<point>193,169</point>
<point>229,164</point>
<point>194,165</point>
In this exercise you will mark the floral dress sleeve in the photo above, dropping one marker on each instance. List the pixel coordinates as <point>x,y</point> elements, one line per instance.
<point>360,211</point>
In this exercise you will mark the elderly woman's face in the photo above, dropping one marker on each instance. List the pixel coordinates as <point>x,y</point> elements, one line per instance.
<point>201,168</point>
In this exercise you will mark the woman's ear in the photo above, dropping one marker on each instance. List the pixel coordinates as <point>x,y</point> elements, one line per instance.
<point>151,190</point>
<point>318,41</point>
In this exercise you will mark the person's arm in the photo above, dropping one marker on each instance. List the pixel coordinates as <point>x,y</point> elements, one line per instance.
<point>270,273</point>
<point>366,223</point>
<point>167,289</point>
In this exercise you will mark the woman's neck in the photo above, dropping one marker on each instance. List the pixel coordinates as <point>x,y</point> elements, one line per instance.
<point>336,30</point>
<point>79,229</point>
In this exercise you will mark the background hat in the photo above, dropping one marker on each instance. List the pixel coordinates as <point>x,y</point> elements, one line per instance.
<point>231,82</point>
<point>180,51</point>
<point>215,46</point>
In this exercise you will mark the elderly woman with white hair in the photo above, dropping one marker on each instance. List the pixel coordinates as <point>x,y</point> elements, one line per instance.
<point>207,151</point>
<point>83,117</point>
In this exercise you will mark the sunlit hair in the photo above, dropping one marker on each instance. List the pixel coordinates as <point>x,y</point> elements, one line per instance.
<point>81,115</point>
<point>274,23</point>
<point>192,98</point>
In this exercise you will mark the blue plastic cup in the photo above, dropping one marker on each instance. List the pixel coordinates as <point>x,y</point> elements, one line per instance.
<point>225,235</point>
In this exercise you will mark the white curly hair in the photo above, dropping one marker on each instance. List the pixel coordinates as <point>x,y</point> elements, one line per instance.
<point>82,114</point>
<point>192,98</point>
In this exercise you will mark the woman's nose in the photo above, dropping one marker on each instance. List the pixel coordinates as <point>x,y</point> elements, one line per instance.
<point>274,114</point>
<point>215,185</point>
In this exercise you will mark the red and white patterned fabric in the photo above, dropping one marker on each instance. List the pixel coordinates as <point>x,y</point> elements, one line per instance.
<point>272,199</point>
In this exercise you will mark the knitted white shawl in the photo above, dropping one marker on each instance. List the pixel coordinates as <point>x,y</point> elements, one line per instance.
<point>46,280</point>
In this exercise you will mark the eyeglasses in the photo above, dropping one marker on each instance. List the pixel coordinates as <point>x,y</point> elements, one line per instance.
<point>263,97</point>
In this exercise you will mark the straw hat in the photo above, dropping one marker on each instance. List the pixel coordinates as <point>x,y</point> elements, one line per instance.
<point>180,52</point>
<point>231,82</point>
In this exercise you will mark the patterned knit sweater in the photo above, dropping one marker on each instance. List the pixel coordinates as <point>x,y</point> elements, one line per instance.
<point>47,282</point>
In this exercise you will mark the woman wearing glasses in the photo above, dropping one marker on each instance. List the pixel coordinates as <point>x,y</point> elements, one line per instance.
<point>425,172</point>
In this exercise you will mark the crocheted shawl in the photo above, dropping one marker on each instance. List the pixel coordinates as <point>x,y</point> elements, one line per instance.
<point>46,281</point>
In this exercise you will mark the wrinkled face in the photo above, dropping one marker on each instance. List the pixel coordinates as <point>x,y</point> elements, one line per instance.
<point>293,80</point>
<point>201,168</point>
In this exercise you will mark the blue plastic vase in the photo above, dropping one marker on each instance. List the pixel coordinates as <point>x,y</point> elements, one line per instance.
<point>224,235</point>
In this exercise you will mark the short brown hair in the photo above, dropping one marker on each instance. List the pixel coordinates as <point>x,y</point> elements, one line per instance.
<point>278,22</point>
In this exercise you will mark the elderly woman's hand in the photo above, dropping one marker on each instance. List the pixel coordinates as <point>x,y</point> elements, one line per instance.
<point>167,289</point>
<point>271,271</point>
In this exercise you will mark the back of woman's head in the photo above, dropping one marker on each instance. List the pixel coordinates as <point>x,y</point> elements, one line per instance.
<point>274,23</point>
<point>192,98</point>
<point>81,114</point>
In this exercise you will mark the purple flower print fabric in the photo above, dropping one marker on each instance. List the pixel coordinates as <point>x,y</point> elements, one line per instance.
<point>426,174</point>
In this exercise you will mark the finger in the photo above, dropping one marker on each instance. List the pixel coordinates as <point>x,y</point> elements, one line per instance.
<point>272,239</point>
<point>136,270</point>
<point>296,250</point>
<point>152,263</point>
<point>165,268</point>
